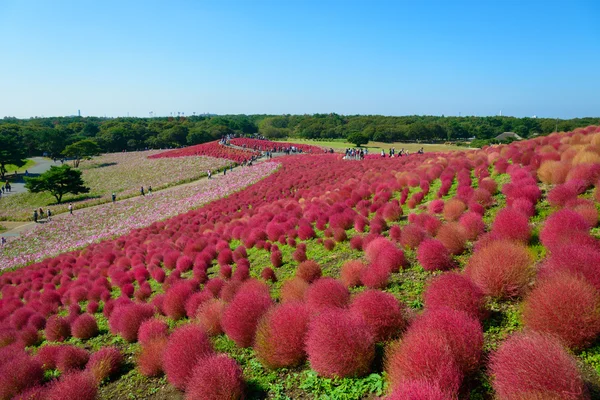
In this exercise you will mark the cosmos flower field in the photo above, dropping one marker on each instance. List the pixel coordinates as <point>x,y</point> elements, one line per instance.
<point>460,275</point>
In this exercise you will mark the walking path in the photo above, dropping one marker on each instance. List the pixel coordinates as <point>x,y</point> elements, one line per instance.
<point>42,165</point>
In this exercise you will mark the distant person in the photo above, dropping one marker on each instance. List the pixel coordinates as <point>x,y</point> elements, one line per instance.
<point>2,241</point>
<point>26,173</point>
<point>71,208</point>
<point>49,214</point>
<point>41,213</point>
<point>382,153</point>
<point>149,190</point>
<point>209,174</point>
<point>224,171</point>
<point>114,197</point>
<point>35,216</point>
<point>420,151</point>
<point>142,191</point>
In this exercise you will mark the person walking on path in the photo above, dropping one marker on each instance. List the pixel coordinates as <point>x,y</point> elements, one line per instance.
<point>35,216</point>
<point>225,171</point>
<point>49,214</point>
<point>114,197</point>
<point>41,213</point>
<point>2,241</point>
<point>71,208</point>
<point>142,191</point>
<point>209,174</point>
<point>149,190</point>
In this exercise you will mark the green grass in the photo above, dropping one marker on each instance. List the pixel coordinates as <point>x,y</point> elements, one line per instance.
<point>21,170</point>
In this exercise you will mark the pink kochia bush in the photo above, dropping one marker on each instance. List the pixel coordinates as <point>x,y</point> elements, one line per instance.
<point>511,224</point>
<point>535,366</point>
<point>78,385</point>
<point>340,344</point>
<point>152,329</point>
<point>104,363</point>
<point>215,378</point>
<point>433,256</point>
<point>309,271</point>
<point>187,346</point>
<point>57,329</point>
<point>560,228</point>
<point>281,334</point>
<point>566,306</point>
<point>381,311</point>
<point>385,254</point>
<point>457,292</point>
<point>326,293</point>
<point>84,327</point>
<point>418,390</point>
<point>70,358</point>
<point>18,374</point>
<point>241,316</point>
<point>350,273</point>
<point>501,269</point>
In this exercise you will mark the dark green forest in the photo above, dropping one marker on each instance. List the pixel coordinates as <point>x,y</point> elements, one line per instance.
<point>36,136</point>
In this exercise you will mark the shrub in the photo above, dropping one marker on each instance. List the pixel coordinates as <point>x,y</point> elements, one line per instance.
<point>418,390</point>
<point>501,269</point>
<point>560,226</point>
<point>268,274</point>
<point>29,336</point>
<point>433,256</point>
<point>84,327</point>
<point>453,209</point>
<point>293,289</point>
<point>280,336</point>
<point>579,260</point>
<point>453,236</point>
<point>241,316</point>
<point>457,292</point>
<point>78,385</point>
<point>57,329</point>
<point>524,206</point>
<point>33,393</point>
<point>350,273</point>
<point>511,225</point>
<point>187,345</point>
<point>104,363</point>
<point>412,236</point>
<point>587,210</point>
<point>309,271</point>
<point>347,353</point>
<point>426,357</point>
<point>217,377</point>
<point>385,254</point>
<point>197,299</point>
<point>47,355</point>
<point>326,293</point>
<point>150,358</point>
<point>130,318</point>
<point>299,255</point>
<point>175,298</point>
<point>566,306</point>
<point>473,225</point>
<point>71,357</point>
<point>21,373</point>
<point>535,366</point>
<point>209,316</point>
<point>151,329</point>
<point>381,311</point>
<point>436,206</point>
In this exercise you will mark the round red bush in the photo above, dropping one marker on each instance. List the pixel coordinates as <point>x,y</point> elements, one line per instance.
<point>453,209</point>
<point>433,256</point>
<point>457,292</point>
<point>104,363</point>
<point>70,358</point>
<point>209,316</point>
<point>268,275</point>
<point>326,293</point>
<point>57,329</point>
<point>280,336</point>
<point>501,269</point>
<point>347,353</point>
<point>535,366</point>
<point>175,298</point>
<point>84,327</point>
<point>77,385</point>
<point>384,253</point>
<point>453,236</point>
<point>381,311</point>
<point>412,236</point>
<point>127,319</point>
<point>511,224</point>
<point>566,306</point>
<point>375,276</point>
<point>308,270</point>
<point>151,329</point>
<point>473,225</point>
<point>293,289</point>
<point>187,345</point>
<point>150,359</point>
<point>215,378</point>
<point>20,373</point>
<point>418,390</point>
<point>579,260</point>
<point>560,227</point>
<point>350,273</point>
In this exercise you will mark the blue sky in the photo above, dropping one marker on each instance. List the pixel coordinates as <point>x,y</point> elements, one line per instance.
<point>398,57</point>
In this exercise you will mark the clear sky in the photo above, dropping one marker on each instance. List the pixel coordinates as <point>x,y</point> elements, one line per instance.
<point>480,57</point>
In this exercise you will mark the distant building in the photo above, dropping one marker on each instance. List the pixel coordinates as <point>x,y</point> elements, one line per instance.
<point>508,135</point>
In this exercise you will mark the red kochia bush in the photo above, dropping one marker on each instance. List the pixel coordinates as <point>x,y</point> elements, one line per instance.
<point>241,316</point>
<point>347,353</point>
<point>280,335</point>
<point>418,390</point>
<point>433,256</point>
<point>175,298</point>
<point>535,366</point>
<point>215,378</point>
<point>384,253</point>
<point>150,359</point>
<point>560,227</point>
<point>187,345</point>
<point>152,329</point>
<point>350,273</point>
<point>308,270</point>
<point>566,306</point>
<point>57,329</point>
<point>104,363</point>
<point>453,209</point>
<point>457,292</point>
<point>423,356</point>
<point>21,373</point>
<point>512,225</point>
<point>382,313</point>
<point>453,236</point>
<point>209,316</point>
<point>77,385</point>
<point>501,269</point>
<point>326,293</point>
<point>412,235</point>
<point>127,319</point>
<point>71,357</point>
<point>84,327</point>
<point>579,260</point>
<point>293,289</point>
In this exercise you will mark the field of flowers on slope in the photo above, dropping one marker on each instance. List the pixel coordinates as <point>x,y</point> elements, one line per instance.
<point>442,276</point>
<point>121,173</point>
<point>210,149</point>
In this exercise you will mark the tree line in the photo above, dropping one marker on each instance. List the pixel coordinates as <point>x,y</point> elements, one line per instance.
<point>51,136</point>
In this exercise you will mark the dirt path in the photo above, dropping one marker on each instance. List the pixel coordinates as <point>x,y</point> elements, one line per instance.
<point>17,228</point>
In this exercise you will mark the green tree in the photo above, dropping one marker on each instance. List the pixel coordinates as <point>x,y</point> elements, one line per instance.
<point>58,181</point>
<point>84,149</point>
<point>12,150</point>
<point>358,138</point>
